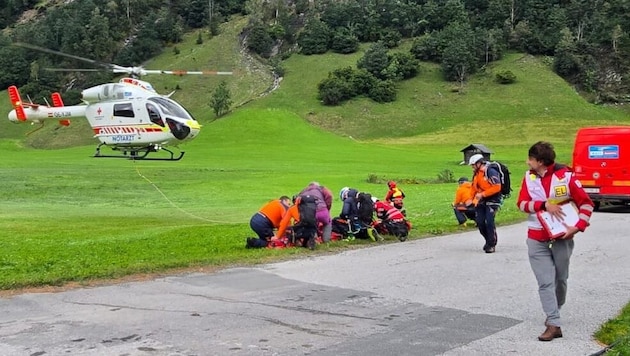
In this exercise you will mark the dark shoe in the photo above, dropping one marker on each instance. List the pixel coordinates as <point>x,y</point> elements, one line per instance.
<point>490,250</point>
<point>550,333</point>
<point>310,243</point>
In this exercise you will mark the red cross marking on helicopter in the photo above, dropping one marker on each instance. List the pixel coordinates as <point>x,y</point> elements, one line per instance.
<point>99,111</point>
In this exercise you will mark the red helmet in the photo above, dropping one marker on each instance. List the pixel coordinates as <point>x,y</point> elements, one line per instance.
<point>391,184</point>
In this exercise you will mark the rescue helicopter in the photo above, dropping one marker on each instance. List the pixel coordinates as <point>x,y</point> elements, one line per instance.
<point>130,116</point>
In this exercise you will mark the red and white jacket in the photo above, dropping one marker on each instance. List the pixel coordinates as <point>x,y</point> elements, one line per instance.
<point>555,187</point>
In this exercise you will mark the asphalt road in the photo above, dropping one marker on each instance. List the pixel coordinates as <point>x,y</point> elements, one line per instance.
<point>436,296</point>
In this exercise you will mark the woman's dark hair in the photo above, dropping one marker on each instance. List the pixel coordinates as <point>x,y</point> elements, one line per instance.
<point>543,152</point>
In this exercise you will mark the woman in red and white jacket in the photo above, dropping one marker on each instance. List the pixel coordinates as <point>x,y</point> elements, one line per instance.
<point>545,186</point>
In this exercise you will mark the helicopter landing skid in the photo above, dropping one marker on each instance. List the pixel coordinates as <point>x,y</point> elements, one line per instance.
<point>140,154</point>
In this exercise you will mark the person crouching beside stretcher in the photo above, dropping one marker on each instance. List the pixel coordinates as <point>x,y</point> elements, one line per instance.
<point>390,221</point>
<point>464,205</point>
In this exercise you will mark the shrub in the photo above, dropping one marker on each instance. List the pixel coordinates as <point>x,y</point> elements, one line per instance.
<point>333,90</point>
<point>375,60</point>
<point>404,64</point>
<point>426,48</point>
<point>505,77</point>
<point>344,41</point>
<point>446,176</point>
<point>363,81</point>
<point>390,37</point>
<point>260,41</point>
<point>314,38</point>
<point>383,92</point>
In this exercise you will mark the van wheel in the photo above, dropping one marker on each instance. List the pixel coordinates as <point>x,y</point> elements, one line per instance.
<point>596,205</point>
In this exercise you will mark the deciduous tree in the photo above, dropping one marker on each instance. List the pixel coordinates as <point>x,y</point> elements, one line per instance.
<point>221,99</point>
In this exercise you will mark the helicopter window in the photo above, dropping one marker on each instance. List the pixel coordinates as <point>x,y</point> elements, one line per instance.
<point>154,115</point>
<point>169,107</point>
<point>124,110</point>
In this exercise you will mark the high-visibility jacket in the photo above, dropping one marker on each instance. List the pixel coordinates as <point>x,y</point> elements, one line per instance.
<point>555,186</point>
<point>394,194</point>
<point>463,194</point>
<point>274,211</point>
<point>488,183</point>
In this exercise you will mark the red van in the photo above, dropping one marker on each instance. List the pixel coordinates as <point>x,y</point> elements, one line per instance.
<point>601,161</point>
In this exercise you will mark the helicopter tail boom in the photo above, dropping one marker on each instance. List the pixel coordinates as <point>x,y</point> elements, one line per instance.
<point>37,113</point>
<point>42,113</point>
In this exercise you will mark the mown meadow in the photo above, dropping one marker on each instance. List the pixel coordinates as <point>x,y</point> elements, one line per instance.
<point>68,217</point>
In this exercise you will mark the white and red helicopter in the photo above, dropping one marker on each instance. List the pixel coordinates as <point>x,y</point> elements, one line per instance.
<point>128,116</point>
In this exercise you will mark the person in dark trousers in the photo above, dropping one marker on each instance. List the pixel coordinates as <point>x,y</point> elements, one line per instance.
<point>347,222</point>
<point>486,187</point>
<point>266,220</point>
<point>463,205</point>
<point>291,220</point>
<point>324,204</point>
<point>545,187</point>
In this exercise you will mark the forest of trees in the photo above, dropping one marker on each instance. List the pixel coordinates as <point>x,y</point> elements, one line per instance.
<point>588,40</point>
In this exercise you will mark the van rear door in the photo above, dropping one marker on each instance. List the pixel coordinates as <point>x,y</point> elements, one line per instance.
<point>601,161</point>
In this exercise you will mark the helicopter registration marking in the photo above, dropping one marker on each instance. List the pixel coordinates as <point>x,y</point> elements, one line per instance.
<point>62,114</point>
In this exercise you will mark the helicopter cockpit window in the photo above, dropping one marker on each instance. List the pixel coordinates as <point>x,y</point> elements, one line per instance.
<point>124,110</point>
<point>154,115</point>
<point>169,107</point>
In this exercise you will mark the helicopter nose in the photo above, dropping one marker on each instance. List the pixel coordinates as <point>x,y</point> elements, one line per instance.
<point>194,128</point>
<point>193,124</point>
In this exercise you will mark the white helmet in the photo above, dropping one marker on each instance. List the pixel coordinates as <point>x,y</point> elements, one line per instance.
<point>475,158</point>
<point>343,193</point>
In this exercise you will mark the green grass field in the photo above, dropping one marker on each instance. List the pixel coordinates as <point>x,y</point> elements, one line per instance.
<point>70,217</point>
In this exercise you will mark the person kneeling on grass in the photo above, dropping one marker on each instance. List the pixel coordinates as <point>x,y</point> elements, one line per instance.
<point>301,232</point>
<point>347,222</point>
<point>395,197</point>
<point>463,205</point>
<point>390,221</point>
<point>266,220</point>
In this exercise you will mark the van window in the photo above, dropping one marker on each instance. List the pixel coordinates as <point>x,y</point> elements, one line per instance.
<point>124,110</point>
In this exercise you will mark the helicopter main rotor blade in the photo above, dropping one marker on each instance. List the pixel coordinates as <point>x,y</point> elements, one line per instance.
<point>185,72</point>
<point>74,70</point>
<point>46,50</point>
<point>132,71</point>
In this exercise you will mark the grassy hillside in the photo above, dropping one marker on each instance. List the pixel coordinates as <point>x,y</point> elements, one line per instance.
<point>429,109</point>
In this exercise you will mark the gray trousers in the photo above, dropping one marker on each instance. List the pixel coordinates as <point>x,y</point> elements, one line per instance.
<point>551,268</point>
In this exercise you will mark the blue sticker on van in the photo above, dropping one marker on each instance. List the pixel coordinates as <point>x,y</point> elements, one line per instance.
<point>603,152</point>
